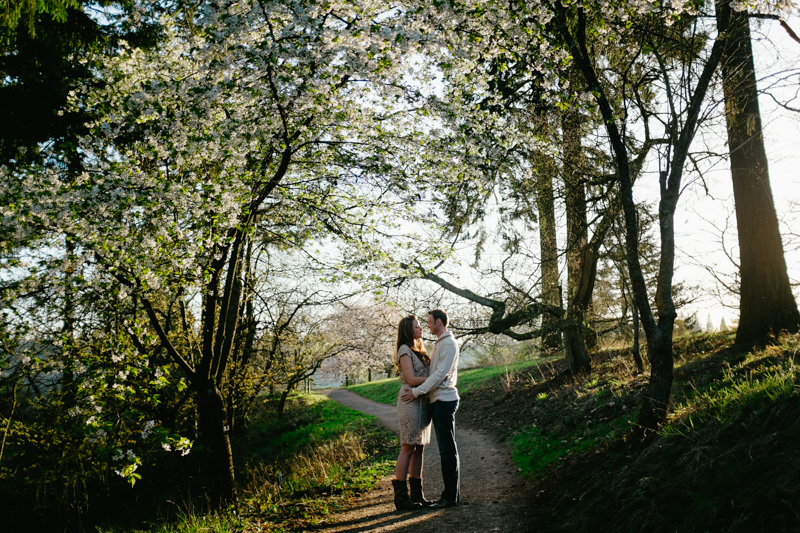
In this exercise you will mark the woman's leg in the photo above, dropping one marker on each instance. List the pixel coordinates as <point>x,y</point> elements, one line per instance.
<point>415,477</point>
<point>403,461</point>
<point>415,469</point>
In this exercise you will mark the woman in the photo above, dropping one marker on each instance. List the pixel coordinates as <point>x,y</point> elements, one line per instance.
<point>412,365</point>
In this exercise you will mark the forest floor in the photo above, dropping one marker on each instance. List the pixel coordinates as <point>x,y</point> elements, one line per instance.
<point>726,460</point>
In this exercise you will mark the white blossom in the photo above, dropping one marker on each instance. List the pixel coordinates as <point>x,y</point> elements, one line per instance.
<point>148,428</point>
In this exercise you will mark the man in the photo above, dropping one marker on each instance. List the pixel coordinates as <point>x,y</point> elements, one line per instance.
<point>443,396</point>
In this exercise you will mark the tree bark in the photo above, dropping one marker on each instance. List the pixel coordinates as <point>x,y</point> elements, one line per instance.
<point>285,395</point>
<point>213,434</point>
<point>635,351</point>
<point>628,300</point>
<point>581,263</point>
<point>766,305</point>
<point>238,401</point>
<point>544,169</point>
<point>637,356</point>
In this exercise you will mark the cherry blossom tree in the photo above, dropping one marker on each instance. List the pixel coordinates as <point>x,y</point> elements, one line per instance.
<point>371,331</point>
<point>255,121</point>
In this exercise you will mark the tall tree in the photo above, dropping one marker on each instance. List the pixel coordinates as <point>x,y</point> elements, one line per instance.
<point>519,90</point>
<point>47,49</point>
<point>667,44</point>
<point>766,305</point>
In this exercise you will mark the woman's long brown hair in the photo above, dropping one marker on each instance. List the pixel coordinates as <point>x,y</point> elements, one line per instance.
<point>405,335</point>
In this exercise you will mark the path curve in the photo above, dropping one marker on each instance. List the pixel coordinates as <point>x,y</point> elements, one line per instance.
<point>492,494</point>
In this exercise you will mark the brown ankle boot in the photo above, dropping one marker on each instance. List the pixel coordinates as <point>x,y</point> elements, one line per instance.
<point>417,495</point>
<point>401,500</point>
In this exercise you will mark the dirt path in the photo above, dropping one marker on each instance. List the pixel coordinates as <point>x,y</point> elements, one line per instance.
<point>492,494</point>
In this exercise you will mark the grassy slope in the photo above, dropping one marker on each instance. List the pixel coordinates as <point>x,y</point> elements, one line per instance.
<point>326,454</point>
<point>311,419</point>
<point>726,461</point>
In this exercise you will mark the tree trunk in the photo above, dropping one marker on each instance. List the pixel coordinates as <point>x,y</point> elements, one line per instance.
<point>68,384</point>
<point>637,356</point>
<point>626,294</point>
<point>580,261</point>
<point>238,401</point>
<point>589,331</point>
<point>656,400</point>
<point>216,445</point>
<point>282,401</point>
<point>766,305</point>
<point>544,169</point>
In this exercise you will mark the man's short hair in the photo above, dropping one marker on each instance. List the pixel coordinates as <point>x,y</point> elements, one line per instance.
<point>439,314</point>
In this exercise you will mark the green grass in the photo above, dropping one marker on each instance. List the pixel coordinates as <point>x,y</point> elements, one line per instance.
<point>699,344</point>
<point>385,390</point>
<point>226,522</point>
<point>535,449</point>
<point>756,381</point>
<point>568,429</point>
<point>728,454</point>
<point>321,449</point>
<point>474,378</point>
<point>312,420</point>
<point>382,391</point>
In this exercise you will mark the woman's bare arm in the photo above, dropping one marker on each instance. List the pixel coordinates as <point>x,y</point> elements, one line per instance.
<point>408,372</point>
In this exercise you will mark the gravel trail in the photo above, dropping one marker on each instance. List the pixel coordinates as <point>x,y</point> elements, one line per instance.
<point>492,494</point>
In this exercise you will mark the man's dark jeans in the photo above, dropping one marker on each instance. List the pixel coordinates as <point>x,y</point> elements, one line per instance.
<point>444,423</point>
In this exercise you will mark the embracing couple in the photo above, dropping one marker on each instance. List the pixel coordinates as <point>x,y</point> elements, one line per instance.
<point>428,394</point>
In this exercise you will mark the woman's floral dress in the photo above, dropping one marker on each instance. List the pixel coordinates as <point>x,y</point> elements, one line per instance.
<point>414,417</point>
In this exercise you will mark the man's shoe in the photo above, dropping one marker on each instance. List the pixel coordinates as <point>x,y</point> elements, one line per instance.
<point>441,503</point>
